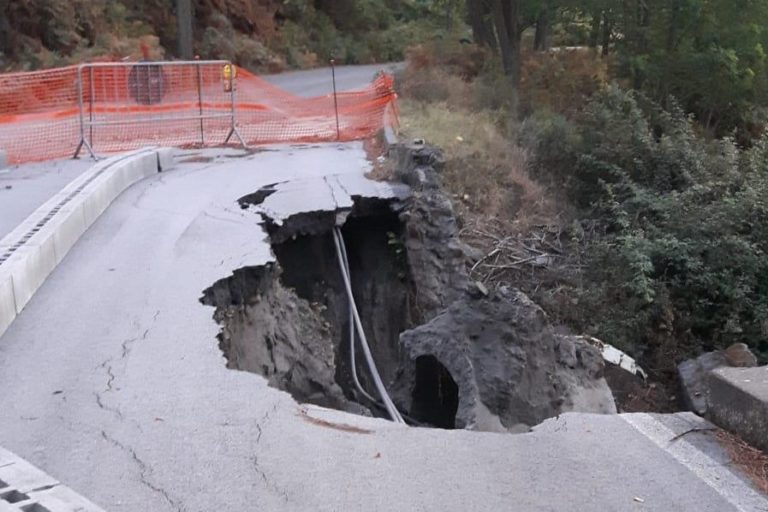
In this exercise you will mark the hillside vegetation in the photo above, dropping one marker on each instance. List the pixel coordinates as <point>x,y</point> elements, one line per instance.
<point>615,167</point>
<point>262,35</point>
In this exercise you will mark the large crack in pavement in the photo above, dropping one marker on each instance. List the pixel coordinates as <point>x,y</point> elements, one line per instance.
<point>107,366</point>
<point>144,469</point>
<point>253,458</point>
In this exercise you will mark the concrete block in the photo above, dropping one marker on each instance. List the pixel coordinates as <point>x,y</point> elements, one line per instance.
<point>25,477</point>
<point>99,194</point>
<point>138,168</point>
<point>3,159</point>
<point>165,159</point>
<point>29,266</point>
<point>7,306</point>
<point>67,226</point>
<point>63,499</point>
<point>7,457</point>
<point>19,232</point>
<point>737,400</point>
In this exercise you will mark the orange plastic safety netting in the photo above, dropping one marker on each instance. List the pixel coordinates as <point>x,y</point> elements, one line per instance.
<point>109,107</point>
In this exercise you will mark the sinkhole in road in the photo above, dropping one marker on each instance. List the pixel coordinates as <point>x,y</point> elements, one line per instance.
<point>289,321</point>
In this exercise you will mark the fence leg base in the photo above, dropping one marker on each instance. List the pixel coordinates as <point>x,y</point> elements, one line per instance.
<point>234,131</point>
<point>85,143</point>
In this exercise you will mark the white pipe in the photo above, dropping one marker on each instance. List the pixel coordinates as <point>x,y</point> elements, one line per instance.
<point>352,361</point>
<point>390,407</point>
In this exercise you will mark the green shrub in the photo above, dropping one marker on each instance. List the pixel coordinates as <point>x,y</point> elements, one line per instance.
<point>677,262</point>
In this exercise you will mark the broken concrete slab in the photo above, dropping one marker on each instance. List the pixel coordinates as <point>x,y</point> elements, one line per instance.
<point>279,203</point>
<point>737,400</point>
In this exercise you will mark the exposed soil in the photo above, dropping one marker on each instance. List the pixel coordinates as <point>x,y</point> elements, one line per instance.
<point>451,354</point>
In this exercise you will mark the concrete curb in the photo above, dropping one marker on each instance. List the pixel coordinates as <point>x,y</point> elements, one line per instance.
<point>23,487</point>
<point>29,253</point>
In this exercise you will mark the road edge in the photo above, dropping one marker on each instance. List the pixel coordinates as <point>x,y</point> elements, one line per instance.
<point>30,253</point>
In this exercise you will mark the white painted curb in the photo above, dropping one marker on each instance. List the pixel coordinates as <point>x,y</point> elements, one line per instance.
<point>24,488</point>
<point>29,253</point>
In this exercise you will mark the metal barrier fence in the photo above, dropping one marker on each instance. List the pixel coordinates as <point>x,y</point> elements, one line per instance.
<point>108,107</point>
<point>186,97</point>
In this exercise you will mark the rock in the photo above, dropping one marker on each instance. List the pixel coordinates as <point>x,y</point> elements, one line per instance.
<point>693,373</point>
<point>436,256</point>
<point>506,362</point>
<point>738,355</point>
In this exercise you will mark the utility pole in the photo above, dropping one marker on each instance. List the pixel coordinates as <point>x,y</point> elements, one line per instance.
<point>184,20</point>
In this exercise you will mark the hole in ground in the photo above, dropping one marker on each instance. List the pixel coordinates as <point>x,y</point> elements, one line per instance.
<point>289,321</point>
<point>435,394</point>
<point>380,284</point>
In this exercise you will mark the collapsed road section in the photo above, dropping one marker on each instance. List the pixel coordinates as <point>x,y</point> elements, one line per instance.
<point>450,353</point>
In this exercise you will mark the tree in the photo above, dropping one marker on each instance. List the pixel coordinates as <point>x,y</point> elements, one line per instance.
<point>184,19</point>
<point>479,17</point>
<point>506,19</point>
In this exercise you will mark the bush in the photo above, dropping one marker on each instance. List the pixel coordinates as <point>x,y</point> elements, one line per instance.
<point>677,262</point>
<point>561,80</point>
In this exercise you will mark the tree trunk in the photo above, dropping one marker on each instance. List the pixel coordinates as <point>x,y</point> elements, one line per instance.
<point>541,39</point>
<point>506,16</point>
<point>594,32</point>
<point>607,33</point>
<point>673,26</point>
<point>6,43</point>
<point>184,20</point>
<point>479,19</point>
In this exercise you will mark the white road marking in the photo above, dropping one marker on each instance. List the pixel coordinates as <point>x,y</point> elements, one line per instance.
<point>723,481</point>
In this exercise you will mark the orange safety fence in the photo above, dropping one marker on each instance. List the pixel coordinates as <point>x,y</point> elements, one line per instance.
<point>112,107</point>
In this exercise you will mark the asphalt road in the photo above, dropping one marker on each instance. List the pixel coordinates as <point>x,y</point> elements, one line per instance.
<point>112,381</point>
<point>316,82</point>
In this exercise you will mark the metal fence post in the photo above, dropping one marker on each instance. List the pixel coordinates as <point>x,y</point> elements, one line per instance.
<point>200,103</point>
<point>233,117</point>
<point>91,101</point>
<point>335,99</point>
<point>81,109</point>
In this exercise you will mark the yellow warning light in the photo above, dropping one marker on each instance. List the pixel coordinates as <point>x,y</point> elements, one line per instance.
<point>228,75</point>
